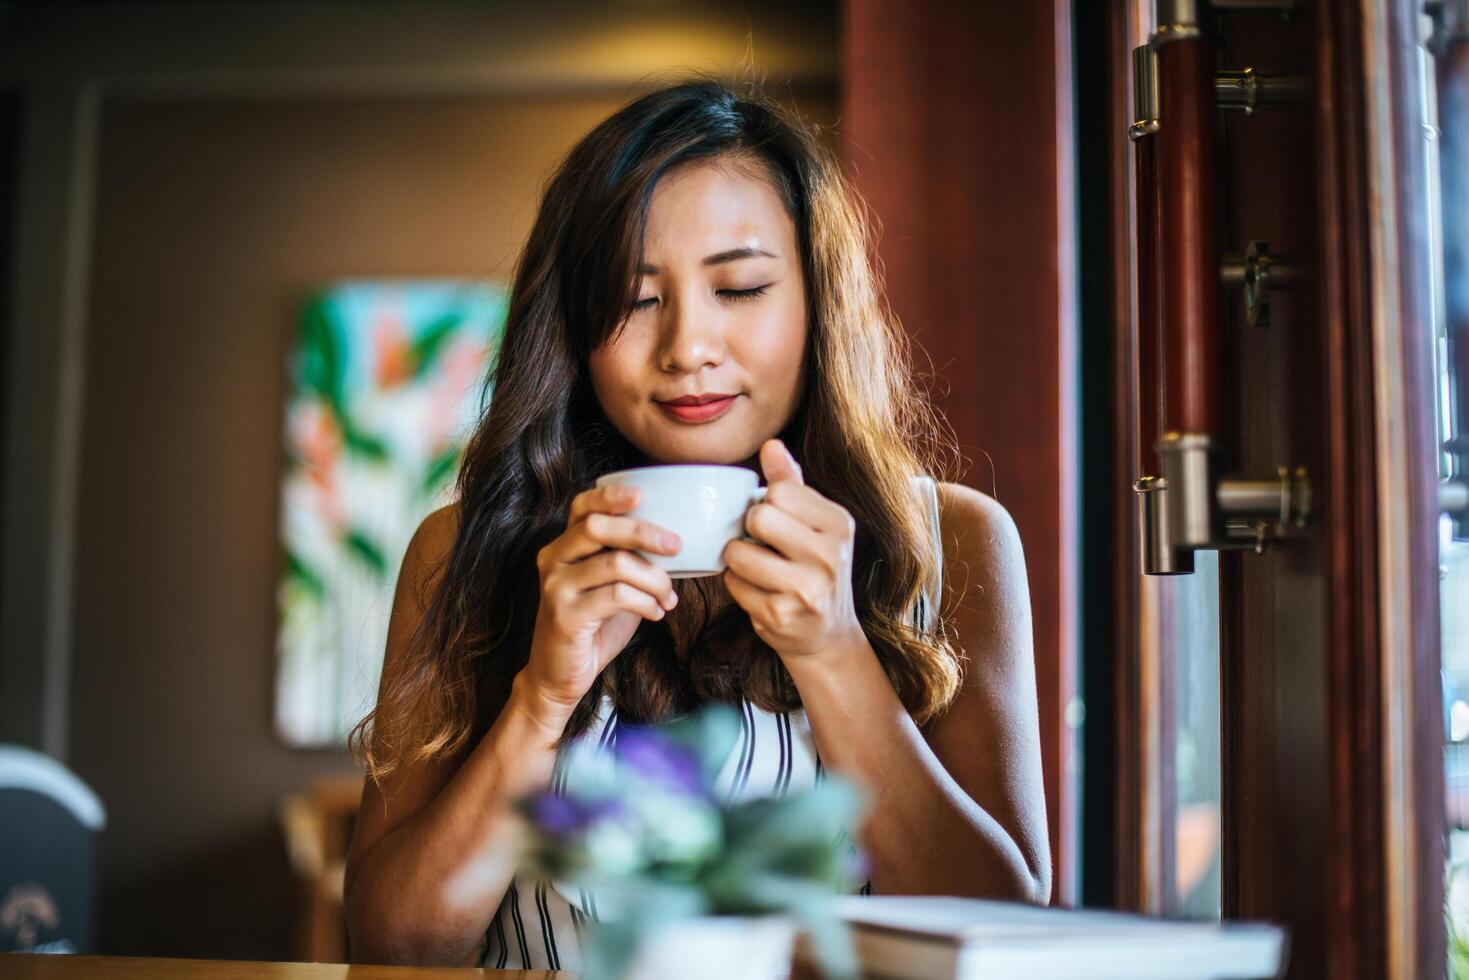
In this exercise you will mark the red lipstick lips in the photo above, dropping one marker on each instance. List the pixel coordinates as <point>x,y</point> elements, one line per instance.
<point>698,408</point>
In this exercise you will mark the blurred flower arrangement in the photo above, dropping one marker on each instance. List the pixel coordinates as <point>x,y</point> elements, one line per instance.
<point>644,829</point>
<point>384,386</point>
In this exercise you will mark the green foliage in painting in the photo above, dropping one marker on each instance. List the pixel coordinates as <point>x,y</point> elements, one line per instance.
<point>444,466</point>
<point>426,346</point>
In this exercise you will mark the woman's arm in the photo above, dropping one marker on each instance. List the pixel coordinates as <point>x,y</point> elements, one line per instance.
<point>432,857</point>
<point>959,810</point>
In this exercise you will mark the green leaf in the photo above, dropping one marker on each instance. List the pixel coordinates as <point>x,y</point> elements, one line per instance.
<point>773,825</point>
<point>359,442</point>
<point>428,344</point>
<point>298,572</point>
<point>709,734</point>
<point>442,467</point>
<point>358,544</point>
<point>322,366</point>
<point>833,942</point>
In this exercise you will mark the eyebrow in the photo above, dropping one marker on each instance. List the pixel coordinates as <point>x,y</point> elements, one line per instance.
<point>718,258</point>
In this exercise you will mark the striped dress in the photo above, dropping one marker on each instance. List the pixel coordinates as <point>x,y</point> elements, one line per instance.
<point>539,921</point>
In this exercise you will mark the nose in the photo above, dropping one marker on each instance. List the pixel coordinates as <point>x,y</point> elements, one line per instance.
<point>691,338</point>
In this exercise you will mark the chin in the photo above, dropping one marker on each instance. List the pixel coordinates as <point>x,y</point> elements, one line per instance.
<point>703,459</point>
<point>697,456</point>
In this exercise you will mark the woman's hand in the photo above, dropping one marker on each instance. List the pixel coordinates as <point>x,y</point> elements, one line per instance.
<point>796,581</point>
<point>594,591</point>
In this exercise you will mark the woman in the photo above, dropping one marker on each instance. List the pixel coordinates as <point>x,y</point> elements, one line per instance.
<point>699,242</point>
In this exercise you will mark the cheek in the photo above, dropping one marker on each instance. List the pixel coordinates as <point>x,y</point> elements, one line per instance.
<point>609,373</point>
<point>776,341</point>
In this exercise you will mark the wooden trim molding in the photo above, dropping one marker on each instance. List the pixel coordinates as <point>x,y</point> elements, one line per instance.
<point>1406,479</point>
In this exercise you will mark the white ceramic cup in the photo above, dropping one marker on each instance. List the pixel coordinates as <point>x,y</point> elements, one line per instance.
<point>704,505</point>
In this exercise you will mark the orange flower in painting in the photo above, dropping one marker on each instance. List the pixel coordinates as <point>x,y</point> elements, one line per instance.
<point>392,354</point>
<point>319,441</point>
<point>461,368</point>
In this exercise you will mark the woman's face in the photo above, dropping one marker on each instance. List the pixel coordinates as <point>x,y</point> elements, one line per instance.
<point>721,310</point>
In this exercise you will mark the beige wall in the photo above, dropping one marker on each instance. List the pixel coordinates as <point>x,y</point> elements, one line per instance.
<point>213,221</point>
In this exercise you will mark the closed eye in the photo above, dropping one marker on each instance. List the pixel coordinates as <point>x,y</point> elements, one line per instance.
<point>734,294</point>
<point>738,294</point>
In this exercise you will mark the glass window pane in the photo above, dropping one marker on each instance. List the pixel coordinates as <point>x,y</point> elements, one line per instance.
<point>1453,552</point>
<point>1194,640</point>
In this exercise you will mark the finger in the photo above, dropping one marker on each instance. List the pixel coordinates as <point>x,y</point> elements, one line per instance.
<point>793,539</point>
<point>777,463</point>
<point>749,596</point>
<point>601,603</point>
<point>597,531</point>
<point>568,546</point>
<point>619,565</point>
<point>808,506</point>
<point>614,498</point>
<point>759,566</point>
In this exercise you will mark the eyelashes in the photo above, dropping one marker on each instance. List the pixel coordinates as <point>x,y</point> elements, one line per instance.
<point>736,295</point>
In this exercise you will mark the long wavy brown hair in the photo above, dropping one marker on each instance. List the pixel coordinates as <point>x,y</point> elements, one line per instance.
<point>864,429</point>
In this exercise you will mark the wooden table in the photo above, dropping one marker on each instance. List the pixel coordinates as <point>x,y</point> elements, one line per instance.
<point>28,966</point>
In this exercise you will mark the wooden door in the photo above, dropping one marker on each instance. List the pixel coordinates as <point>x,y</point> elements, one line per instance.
<point>1331,777</point>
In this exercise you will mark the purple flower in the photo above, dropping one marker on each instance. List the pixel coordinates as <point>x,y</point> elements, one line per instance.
<point>561,816</point>
<point>658,761</point>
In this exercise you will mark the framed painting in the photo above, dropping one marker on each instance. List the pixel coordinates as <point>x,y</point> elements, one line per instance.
<point>386,381</point>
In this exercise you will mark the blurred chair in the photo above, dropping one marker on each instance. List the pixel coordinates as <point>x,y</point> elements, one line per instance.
<point>317,823</point>
<point>49,820</point>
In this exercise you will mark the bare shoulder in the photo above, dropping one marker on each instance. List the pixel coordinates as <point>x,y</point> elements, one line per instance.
<point>983,556</point>
<point>428,551</point>
<point>435,534</point>
<point>965,510</point>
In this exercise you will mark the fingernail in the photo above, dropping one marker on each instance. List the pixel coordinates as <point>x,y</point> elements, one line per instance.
<point>672,599</point>
<point>668,540</point>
